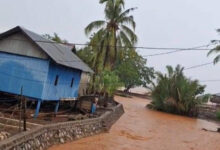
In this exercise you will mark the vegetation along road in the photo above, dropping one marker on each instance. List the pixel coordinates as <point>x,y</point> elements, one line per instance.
<point>143,129</point>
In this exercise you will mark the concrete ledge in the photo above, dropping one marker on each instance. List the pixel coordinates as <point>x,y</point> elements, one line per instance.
<point>207,111</point>
<point>46,136</point>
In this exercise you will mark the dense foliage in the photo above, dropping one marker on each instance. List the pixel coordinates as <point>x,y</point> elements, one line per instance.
<point>132,70</point>
<point>218,115</point>
<point>55,37</point>
<point>107,82</point>
<point>175,93</point>
<point>87,55</point>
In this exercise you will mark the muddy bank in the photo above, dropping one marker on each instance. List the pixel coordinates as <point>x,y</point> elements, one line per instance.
<point>141,129</point>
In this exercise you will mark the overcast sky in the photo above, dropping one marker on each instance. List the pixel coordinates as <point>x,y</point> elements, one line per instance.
<point>160,23</point>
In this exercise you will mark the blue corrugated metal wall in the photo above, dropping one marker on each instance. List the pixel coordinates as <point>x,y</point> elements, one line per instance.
<point>63,88</point>
<point>37,76</point>
<point>17,71</point>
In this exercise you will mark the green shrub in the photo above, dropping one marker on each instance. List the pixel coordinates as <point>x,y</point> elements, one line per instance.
<point>218,115</point>
<point>107,82</point>
<point>175,93</point>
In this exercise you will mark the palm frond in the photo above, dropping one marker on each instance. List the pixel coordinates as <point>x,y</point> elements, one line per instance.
<point>120,2</point>
<point>94,25</point>
<point>125,13</point>
<point>217,59</point>
<point>127,20</point>
<point>125,40</point>
<point>102,1</point>
<point>214,50</point>
<point>170,71</point>
<point>130,33</point>
<point>117,2</point>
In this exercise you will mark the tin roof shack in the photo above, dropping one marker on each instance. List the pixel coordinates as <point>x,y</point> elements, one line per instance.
<point>216,98</point>
<point>47,71</point>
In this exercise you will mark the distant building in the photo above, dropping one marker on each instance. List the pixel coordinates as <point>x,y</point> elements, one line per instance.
<point>47,71</point>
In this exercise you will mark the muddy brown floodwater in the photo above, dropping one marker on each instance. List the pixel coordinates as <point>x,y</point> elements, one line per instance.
<point>143,129</point>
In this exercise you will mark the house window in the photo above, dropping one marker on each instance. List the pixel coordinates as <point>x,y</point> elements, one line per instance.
<point>56,80</point>
<point>71,85</point>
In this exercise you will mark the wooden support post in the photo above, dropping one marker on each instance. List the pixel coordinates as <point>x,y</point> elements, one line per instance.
<point>20,107</point>
<point>57,107</point>
<point>24,114</point>
<point>37,109</point>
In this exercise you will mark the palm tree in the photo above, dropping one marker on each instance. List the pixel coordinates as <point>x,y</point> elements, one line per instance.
<point>55,37</point>
<point>216,50</point>
<point>115,31</point>
<point>175,93</point>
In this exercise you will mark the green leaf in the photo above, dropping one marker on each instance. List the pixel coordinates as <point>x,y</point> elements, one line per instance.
<point>94,25</point>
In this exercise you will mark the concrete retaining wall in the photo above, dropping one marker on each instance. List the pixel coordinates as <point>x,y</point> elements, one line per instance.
<point>208,111</point>
<point>43,137</point>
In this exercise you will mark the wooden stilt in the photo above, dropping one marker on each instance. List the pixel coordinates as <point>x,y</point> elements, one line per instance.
<point>37,109</point>
<point>57,107</point>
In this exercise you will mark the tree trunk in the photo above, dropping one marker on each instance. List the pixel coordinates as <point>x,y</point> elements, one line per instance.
<point>115,47</point>
<point>105,99</point>
<point>93,83</point>
<point>126,90</point>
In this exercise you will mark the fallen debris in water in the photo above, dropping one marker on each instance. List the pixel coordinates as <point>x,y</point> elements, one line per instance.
<point>218,130</point>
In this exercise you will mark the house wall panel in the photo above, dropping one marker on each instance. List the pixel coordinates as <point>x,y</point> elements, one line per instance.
<point>19,71</point>
<point>63,88</point>
<point>19,44</point>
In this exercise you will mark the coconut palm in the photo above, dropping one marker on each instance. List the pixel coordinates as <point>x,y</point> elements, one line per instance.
<point>115,31</point>
<point>216,50</point>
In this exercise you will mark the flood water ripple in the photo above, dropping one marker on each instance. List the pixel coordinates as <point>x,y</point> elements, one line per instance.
<point>143,129</point>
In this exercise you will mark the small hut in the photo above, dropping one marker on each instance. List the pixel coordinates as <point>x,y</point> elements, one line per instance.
<point>44,69</point>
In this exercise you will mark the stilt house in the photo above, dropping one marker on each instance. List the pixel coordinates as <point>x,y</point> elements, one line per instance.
<point>46,70</point>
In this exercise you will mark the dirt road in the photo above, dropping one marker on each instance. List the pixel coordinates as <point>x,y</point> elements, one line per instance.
<point>143,129</point>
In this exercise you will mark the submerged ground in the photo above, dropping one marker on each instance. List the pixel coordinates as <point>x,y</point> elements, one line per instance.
<point>143,129</point>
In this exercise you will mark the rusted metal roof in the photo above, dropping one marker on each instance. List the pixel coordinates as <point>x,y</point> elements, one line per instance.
<point>60,53</point>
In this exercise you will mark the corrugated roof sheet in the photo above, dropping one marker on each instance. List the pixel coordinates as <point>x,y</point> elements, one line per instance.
<point>60,53</point>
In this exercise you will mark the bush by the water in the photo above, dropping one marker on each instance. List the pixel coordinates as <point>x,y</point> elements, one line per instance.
<point>218,115</point>
<point>175,93</point>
